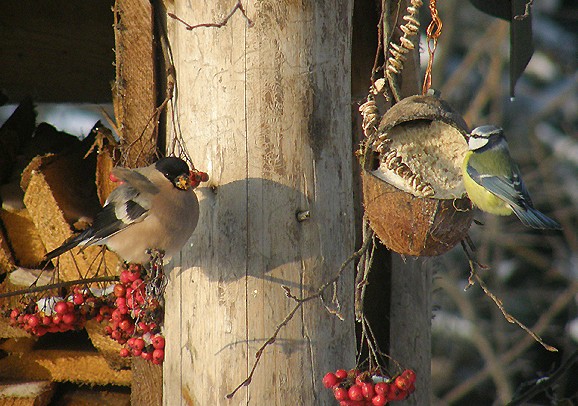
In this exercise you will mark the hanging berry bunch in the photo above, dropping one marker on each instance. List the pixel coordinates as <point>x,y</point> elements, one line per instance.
<point>132,310</point>
<point>366,388</point>
<point>136,316</point>
<point>56,314</point>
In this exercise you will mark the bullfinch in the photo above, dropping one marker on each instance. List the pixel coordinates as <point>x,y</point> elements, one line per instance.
<point>154,207</point>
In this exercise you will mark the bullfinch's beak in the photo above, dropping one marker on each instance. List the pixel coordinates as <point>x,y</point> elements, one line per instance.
<point>183,182</point>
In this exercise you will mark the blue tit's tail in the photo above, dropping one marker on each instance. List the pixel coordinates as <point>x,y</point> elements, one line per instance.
<point>535,219</point>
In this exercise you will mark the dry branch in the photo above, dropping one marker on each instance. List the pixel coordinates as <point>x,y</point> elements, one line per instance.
<point>300,302</point>
<point>222,23</point>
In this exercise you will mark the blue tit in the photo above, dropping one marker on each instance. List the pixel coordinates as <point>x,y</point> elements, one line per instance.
<point>493,182</point>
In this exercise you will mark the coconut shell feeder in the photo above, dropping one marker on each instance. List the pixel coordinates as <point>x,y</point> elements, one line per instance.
<point>413,191</point>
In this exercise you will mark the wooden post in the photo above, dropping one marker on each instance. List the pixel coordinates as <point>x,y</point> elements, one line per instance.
<point>410,286</point>
<point>134,91</point>
<point>265,111</point>
<point>410,321</point>
<point>135,98</point>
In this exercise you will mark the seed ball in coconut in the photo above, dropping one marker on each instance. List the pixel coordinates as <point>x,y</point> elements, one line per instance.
<point>413,191</point>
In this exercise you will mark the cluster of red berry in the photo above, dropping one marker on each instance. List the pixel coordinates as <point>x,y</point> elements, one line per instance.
<point>55,314</point>
<point>135,318</point>
<point>197,177</point>
<point>367,388</point>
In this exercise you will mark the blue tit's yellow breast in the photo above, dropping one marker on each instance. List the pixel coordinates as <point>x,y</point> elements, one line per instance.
<point>480,196</point>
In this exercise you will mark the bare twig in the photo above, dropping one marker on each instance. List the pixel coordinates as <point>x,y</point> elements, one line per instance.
<point>300,302</point>
<point>527,9</point>
<point>511,319</point>
<point>480,341</point>
<point>376,356</point>
<point>544,383</point>
<point>561,302</point>
<point>222,23</point>
<point>508,316</point>
<point>379,49</point>
<point>361,278</point>
<point>155,116</point>
<point>492,79</point>
<point>476,51</point>
<point>97,279</point>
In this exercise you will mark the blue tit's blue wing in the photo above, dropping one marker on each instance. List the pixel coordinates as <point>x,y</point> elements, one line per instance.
<point>508,189</point>
<point>512,190</point>
<point>507,186</point>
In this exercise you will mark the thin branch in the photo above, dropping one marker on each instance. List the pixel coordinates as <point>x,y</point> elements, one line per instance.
<point>300,302</point>
<point>543,384</point>
<point>507,316</point>
<point>361,279</point>
<point>561,302</point>
<point>492,79</point>
<point>59,285</point>
<point>238,6</point>
<point>527,9</point>
<point>476,52</point>
<point>379,50</point>
<point>480,341</point>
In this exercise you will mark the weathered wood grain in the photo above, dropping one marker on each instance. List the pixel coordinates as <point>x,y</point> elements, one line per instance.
<point>265,111</point>
<point>56,365</point>
<point>135,102</point>
<point>410,290</point>
<point>135,87</point>
<point>26,393</point>
<point>410,321</point>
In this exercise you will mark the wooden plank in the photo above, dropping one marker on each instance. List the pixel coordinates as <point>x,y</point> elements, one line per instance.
<point>50,50</point>
<point>147,383</point>
<point>95,397</point>
<point>23,236</point>
<point>299,145</point>
<point>28,393</point>
<point>6,258</point>
<point>63,366</point>
<point>8,331</point>
<point>135,88</point>
<point>106,346</point>
<point>135,100</point>
<point>410,290</point>
<point>206,330</point>
<point>59,193</point>
<point>410,321</point>
<point>266,113</point>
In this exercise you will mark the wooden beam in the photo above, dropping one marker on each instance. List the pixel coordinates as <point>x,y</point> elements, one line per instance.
<point>135,99</point>
<point>26,393</point>
<point>410,289</point>
<point>264,110</point>
<point>135,95</point>
<point>83,367</point>
<point>410,321</point>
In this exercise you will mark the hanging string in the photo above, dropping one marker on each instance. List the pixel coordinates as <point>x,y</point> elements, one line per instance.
<point>433,31</point>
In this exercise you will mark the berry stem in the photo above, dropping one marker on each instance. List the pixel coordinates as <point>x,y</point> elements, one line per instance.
<point>32,289</point>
